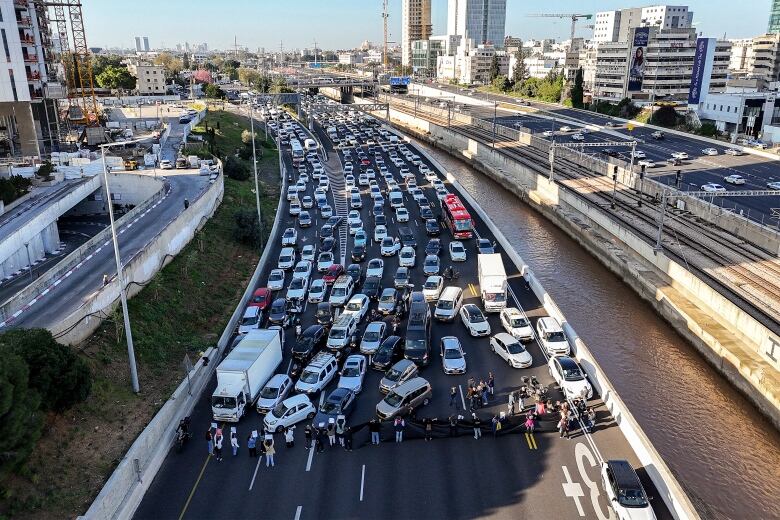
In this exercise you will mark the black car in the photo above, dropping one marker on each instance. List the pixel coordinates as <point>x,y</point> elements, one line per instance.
<point>310,341</point>
<point>339,402</point>
<point>380,220</point>
<point>324,314</point>
<point>377,210</point>
<point>485,246</point>
<point>358,253</point>
<point>328,244</point>
<point>356,272</point>
<point>610,152</point>
<point>334,221</point>
<point>388,353</point>
<point>278,313</point>
<point>432,228</point>
<point>326,231</point>
<point>426,213</point>
<point>407,237</point>
<point>433,247</point>
<point>372,287</point>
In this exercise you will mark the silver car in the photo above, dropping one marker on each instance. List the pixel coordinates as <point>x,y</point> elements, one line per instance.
<point>453,359</point>
<point>399,373</point>
<point>372,337</point>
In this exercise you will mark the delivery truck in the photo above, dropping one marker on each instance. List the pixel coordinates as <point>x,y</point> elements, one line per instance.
<point>244,372</point>
<point>492,282</point>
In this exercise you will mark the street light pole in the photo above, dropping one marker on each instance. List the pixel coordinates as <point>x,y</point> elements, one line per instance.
<point>254,165</point>
<point>120,279</point>
<point>29,260</point>
<point>495,114</point>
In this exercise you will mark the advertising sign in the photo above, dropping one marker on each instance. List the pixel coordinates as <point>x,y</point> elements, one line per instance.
<point>397,81</point>
<point>637,61</point>
<point>699,67</point>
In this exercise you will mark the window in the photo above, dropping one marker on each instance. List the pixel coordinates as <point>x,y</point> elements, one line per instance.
<point>13,82</point>
<point>5,45</point>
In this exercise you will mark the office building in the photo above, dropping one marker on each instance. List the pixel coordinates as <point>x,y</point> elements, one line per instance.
<point>765,58</point>
<point>471,64</point>
<point>415,25</point>
<point>615,26</point>
<point>483,21</point>
<point>749,114</point>
<point>774,17</point>
<point>142,44</point>
<point>741,57</point>
<point>425,54</point>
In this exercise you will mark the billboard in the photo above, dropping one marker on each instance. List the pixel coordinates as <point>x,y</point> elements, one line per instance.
<point>637,61</point>
<point>700,66</point>
<point>397,81</point>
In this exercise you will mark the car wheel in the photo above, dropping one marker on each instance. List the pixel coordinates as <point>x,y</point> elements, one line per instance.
<point>278,429</point>
<point>492,348</point>
<point>310,416</point>
<point>508,362</point>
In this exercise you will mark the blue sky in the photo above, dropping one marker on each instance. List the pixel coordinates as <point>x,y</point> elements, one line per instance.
<point>338,24</point>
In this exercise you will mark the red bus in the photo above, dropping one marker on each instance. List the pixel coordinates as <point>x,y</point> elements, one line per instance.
<point>456,216</point>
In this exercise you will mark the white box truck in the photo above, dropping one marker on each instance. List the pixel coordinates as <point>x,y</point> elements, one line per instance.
<point>244,372</point>
<point>492,282</point>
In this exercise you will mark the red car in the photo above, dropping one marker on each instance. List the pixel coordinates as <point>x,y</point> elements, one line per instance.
<point>365,162</point>
<point>260,298</point>
<point>333,272</point>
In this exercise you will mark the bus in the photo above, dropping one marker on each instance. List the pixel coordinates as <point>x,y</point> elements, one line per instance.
<point>456,216</point>
<point>297,151</point>
<point>310,145</point>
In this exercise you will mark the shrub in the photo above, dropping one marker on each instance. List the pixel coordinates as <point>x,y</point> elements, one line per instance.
<point>235,169</point>
<point>665,116</point>
<point>21,422</point>
<point>246,229</point>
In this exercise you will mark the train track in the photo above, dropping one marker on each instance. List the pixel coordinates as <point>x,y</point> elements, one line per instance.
<point>746,272</point>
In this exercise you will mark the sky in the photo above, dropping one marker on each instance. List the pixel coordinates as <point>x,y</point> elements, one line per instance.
<point>344,24</point>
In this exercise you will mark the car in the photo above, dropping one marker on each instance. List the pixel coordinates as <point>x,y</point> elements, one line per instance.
<point>355,227</point>
<point>647,163</point>
<point>289,237</point>
<point>290,411</point>
<point>278,312</point>
<point>376,267</point>
<point>569,377</point>
<point>165,164</point>
<point>516,324</point>
<point>624,490</point>
<point>338,402</point>
<point>373,337</point>
<point>432,227</point>
<point>680,155</point>
<point>609,152</point>
<point>431,265</point>
<point>474,320</point>
<point>317,291</point>
<point>307,202</point>
<point>548,133</point>
<point>402,371</point>
<point>360,238</point>
<point>297,288</point>
<point>252,319</point>
<point>332,273</point>
<point>261,297</point>
<point>380,232</point>
<point>551,336</point>
<point>390,246</point>
<point>302,269</point>
<point>326,231</point>
<point>733,151</point>
<point>275,279</point>
<point>578,136</point>
<point>380,220</point>
<point>355,272</point>
<point>388,301</point>
<point>485,246</point>
<point>734,179</point>
<point>511,350</point>
<point>402,214</point>
<point>326,211</point>
<point>433,287</point>
<point>773,185</point>
<point>453,359</point>
<point>372,286</point>
<point>357,306</point>
<point>639,154</point>
<point>565,128</point>
<point>324,313</point>
<point>327,245</point>
<point>657,135</point>
<point>433,247</point>
<point>308,252</point>
<point>274,392</point>
<point>457,251</point>
<point>354,216</point>
<point>335,221</point>
<point>712,187</point>
<point>710,151</point>
<point>295,208</point>
<point>388,353</point>
<point>286,258</point>
<point>407,237</point>
<point>352,373</point>
<point>324,261</point>
<point>404,399</point>
<point>407,257</point>
<point>309,343</point>
<point>358,253</point>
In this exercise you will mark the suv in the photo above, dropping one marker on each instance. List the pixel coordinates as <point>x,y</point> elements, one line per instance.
<point>417,346</point>
<point>405,398</point>
<point>552,337</point>
<point>624,490</point>
<point>309,342</point>
<point>317,374</point>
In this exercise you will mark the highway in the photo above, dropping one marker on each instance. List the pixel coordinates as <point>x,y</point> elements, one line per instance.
<point>512,476</point>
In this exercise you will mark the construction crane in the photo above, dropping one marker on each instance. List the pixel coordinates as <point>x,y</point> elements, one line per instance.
<point>385,15</point>
<point>573,17</point>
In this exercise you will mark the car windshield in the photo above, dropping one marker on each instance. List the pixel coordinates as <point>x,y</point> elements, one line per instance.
<point>555,336</point>
<point>275,277</point>
<point>316,288</point>
<point>279,410</point>
<point>354,306</point>
<point>518,321</point>
<point>223,402</point>
<point>269,392</point>
<point>457,249</point>
<point>330,407</point>
<point>476,317</point>
<point>302,268</point>
<point>632,498</point>
<point>371,335</point>
<point>514,347</point>
<point>572,374</point>
<point>339,291</point>
<point>338,333</point>
<point>431,262</point>
<point>387,298</point>
<point>463,225</point>
<point>351,371</point>
<point>284,259</point>
<point>297,283</point>
<point>393,399</point>
<point>445,305</point>
<point>415,345</point>
<point>260,298</point>
<point>431,284</point>
<point>452,353</point>
<point>393,375</point>
<point>249,320</point>
<point>309,376</point>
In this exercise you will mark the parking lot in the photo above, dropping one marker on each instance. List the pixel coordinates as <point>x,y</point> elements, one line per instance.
<point>516,474</point>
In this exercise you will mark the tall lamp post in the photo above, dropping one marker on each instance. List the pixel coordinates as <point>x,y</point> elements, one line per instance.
<point>254,165</point>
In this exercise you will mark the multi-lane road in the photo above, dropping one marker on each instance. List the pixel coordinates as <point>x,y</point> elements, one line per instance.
<point>514,475</point>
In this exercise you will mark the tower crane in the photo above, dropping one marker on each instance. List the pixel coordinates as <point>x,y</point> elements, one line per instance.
<point>573,17</point>
<point>385,15</point>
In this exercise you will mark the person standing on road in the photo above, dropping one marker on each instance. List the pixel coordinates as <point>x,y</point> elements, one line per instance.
<point>348,438</point>
<point>590,416</point>
<point>319,439</point>
<point>510,406</point>
<point>529,421</point>
<point>234,443</point>
<point>289,437</point>
<point>477,426</point>
<point>398,426</point>
<point>331,432</point>
<point>340,425</point>
<point>491,383</point>
<point>251,444</point>
<point>374,426</point>
<point>563,426</point>
<point>484,390</point>
<point>453,397</point>
<point>210,441</point>
<point>218,446</point>
<point>307,434</point>
<point>269,452</point>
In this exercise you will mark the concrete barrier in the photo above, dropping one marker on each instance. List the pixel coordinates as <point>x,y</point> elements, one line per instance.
<point>122,493</point>
<point>665,482</point>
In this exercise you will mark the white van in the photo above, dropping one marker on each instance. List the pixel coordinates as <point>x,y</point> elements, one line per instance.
<point>449,303</point>
<point>396,199</point>
<point>342,290</point>
<point>552,337</point>
<point>317,374</point>
<point>342,331</point>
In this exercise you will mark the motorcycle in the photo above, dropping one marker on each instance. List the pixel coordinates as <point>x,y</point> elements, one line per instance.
<point>182,434</point>
<point>451,274</point>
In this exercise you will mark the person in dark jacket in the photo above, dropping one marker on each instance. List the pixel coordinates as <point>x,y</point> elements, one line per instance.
<point>348,438</point>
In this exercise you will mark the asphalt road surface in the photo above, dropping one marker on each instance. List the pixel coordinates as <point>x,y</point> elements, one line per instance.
<point>512,476</point>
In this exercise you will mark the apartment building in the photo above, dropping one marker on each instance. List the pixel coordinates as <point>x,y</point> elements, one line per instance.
<point>764,62</point>
<point>425,54</point>
<point>483,21</point>
<point>471,64</point>
<point>774,17</point>
<point>615,26</point>
<point>415,25</point>
<point>150,79</point>
<point>741,56</point>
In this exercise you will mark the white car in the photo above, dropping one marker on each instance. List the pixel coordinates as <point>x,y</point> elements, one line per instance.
<point>680,155</point>
<point>432,288</point>
<point>326,211</point>
<point>297,288</point>
<point>380,232</point>
<point>275,280</point>
<point>647,163</point>
<point>773,185</point>
<point>295,208</point>
<point>570,378</point>
<point>286,258</point>
<point>302,269</point>
<point>407,257</point>
<point>713,187</point>
<point>354,227</point>
<point>548,133</point>
<point>624,490</point>
<point>274,392</point>
<point>353,372</point>
<point>252,319</point>
<point>639,154</point>
<point>732,151</point>
<point>565,129</point>
<point>551,336</point>
<point>317,291</point>
<point>401,214</point>
<point>734,179</point>
<point>453,359</point>
<point>290,411</point>
<point>510,350</point>
<point>578,137</point>
<point>358,306</point>
<point>710,151</point>
<point>474,320</point>
<point>308,252</point>
<point>516,324</point>
<point>376,267</point>
<point>354,216</point>
<point>307,202</point>
<point>390,246</point>
<point>457,251</point>
<point>165,164</point>
<point>430,176</point>
<point>324,261</point>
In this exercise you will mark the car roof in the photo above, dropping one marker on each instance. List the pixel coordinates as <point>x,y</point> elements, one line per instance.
<point>625,476</point>
<point>505,337</point>
<point>262,291</point>
<point>471,308</point>
<point>450,341</point>
<point>251,311</point>
<point>339,393</point>
<point>550,323</point>
<point>354,358</point>
<point>311,329</point>
<point>410,385</point>
<point>566,362</point>
<point>376,325</point>
<point>277,380</point>
<point>295,400</point>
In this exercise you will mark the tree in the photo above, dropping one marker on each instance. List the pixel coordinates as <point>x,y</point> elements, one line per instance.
<point>213,91</point>
<point>665,116</point>
<point>246,229</point>
<point>520,72</point>
<point>494,69</point>
<point>171,63</point>
<point>501,83</point>
<point>20,421</point>
<point>115,78</point>
<point>61,378</point>
<point>236,169</point>
<point>577,90</point>
<point>101,62</point>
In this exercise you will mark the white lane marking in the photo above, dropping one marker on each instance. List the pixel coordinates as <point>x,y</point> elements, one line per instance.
<point>298,513</point>
<point>573,490</point>
<point>257,466</point>
<point>462,399</point>
<point>311,456</point>
<point>362,481</point>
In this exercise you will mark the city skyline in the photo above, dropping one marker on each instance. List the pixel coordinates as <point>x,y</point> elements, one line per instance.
<point>365,23</point>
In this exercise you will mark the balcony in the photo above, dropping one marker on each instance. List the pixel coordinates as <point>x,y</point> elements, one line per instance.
<point>24,21</point>
<point>33,76</point>
<point>31,58</point>
<point>21,3</point>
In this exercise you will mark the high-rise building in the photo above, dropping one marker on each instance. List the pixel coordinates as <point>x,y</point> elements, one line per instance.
<point>146,44</point>
<point>483,21</point>
<point>142,44</point>
<point>615,26</point>
<point>774,17</point>
<point>415,25</point>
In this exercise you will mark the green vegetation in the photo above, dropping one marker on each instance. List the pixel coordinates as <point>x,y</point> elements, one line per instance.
<point>181,311</point>
<point>213,91</point>
<point>625,108</point>
<point>13,187</point>
<point>577,90</point>
<point>21,422</point>
<point>548,89</point>
<point>116,78</point>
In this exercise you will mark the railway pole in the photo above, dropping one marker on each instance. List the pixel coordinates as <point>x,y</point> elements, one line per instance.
<point>552,161</point>
<point>254,165</point>
<point>661,223</point>
<point>614,185</point>
<point>495,114</point>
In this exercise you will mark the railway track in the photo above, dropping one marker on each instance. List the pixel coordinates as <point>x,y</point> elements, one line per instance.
<point>747,273</point>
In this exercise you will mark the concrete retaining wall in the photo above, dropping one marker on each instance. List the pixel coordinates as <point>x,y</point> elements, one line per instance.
<point>127,485</point>
<point>126,188</point>
<point>670,490</point>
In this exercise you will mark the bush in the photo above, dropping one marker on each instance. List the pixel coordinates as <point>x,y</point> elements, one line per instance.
<point>20,424</point>
<point>246,229</point>
<point>13,187</point>
<point>502,83</point>
<point>235,169</point>
<point>61,378</point>
<point>708,130</point>
<point>665,116</point>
